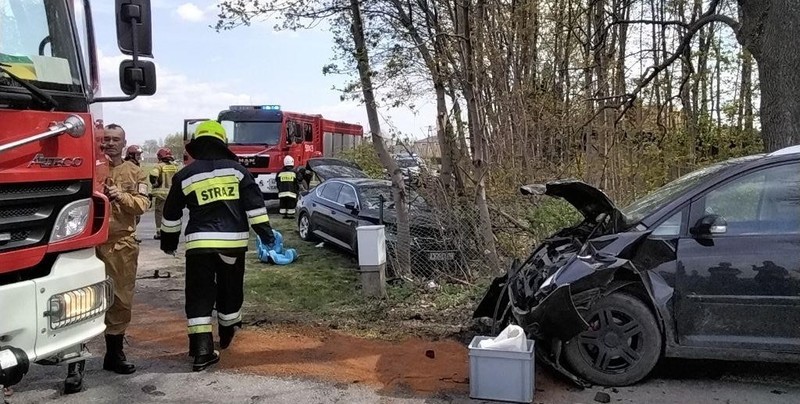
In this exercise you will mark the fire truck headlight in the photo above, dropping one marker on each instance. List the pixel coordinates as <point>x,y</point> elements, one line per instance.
<point>80,304</point>
<point>71,221</point>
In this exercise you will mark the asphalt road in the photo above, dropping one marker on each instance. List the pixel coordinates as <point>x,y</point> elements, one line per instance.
<point>170,381</point>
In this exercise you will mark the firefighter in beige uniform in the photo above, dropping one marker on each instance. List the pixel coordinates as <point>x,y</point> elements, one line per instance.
<point>127,190</point>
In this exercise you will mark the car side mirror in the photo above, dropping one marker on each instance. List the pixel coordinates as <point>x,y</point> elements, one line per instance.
<point>710,225</point>
<point>137,77</point>
<point>351,206</point>
<point>134,27</point>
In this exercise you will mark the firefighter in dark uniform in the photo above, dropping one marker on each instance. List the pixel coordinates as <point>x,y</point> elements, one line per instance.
<point>224,201</point>
<point>288,186</point>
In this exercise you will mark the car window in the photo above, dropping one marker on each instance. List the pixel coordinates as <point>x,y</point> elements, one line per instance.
<point>320,188</point>
<point>331,191</point>
<point>763,202</point>
<point>671,227</point>
<point>347,195</point>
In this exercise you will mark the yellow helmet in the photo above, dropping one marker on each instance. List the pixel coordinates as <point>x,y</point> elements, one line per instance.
<point>211,128</point>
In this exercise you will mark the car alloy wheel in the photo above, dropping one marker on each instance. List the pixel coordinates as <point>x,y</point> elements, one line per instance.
<point>622,344</point>
<point>304,227</point>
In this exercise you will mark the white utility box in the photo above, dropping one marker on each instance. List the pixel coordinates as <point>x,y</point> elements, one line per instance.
<point>371,245</point>
<point>372,259</point>
<point>501,375</point>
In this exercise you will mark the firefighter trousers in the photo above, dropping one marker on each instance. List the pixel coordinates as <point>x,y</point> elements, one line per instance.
<point>159,211</point>
<point>287,205</point>
<point>121,258</point>
<point>213,279</point>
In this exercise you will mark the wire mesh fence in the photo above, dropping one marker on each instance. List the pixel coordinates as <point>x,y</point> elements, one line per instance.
<point>446,243</point>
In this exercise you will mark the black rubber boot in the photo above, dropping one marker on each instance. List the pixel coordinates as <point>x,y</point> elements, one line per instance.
<point>74,381</point>
<point>115,359</point>
<point>203,351</point>
<point>226,334</point>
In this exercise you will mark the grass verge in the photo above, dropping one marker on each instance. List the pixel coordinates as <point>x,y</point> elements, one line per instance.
<point>322,288</point>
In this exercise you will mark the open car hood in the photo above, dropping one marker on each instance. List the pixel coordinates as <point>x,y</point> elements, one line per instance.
<point>328,168</point>
<point>589,200</point>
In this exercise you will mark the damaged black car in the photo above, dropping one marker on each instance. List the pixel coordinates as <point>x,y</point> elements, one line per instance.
<point>706,267</point>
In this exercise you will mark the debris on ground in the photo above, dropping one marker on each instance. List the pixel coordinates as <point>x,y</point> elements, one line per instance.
<point>320,245</point>
<point>601,397</point>
<point>778,392</point>
<point>430,353</point>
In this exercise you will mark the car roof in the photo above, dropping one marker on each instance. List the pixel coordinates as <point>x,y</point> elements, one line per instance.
<point>786,151</point>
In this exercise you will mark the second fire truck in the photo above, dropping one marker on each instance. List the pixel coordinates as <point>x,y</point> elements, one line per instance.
<point>262,135</point>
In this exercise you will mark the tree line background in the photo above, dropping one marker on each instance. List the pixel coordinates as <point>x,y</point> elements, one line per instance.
<point>623,94</point>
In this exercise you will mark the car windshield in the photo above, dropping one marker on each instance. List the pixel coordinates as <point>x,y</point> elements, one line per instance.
<point>329,171</point>
<point>268,133</point>
<point>37,45</point>
<point>659,198</point>
<point>370,197</point>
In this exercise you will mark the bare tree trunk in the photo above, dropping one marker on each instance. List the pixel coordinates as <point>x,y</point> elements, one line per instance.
<point>435,65</point>
<point>769,30</point>
<point>747,91</point>
<point>478,142</point>
<point>402,250</point>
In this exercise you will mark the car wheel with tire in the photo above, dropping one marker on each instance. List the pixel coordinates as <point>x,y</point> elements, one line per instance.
<point>622,344</point>
<point>304,228</point>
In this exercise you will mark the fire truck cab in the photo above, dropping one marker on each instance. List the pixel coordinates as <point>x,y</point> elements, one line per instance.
<point>262,135</point>
<point>53,212</point>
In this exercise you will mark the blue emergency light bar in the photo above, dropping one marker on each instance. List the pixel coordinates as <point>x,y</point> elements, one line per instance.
<point>246,107</point>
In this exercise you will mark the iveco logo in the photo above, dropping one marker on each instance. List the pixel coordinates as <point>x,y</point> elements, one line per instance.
<point>49,162</point>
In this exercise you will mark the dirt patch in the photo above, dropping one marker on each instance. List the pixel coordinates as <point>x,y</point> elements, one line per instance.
<point>304,351</point>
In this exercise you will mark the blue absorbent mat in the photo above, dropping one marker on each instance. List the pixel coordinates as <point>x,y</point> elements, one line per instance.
<point>275,254</point>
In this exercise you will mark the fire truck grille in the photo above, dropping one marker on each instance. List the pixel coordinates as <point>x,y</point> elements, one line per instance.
<point>19,235</point>
<point>17,212</point>
<point>28,211</point>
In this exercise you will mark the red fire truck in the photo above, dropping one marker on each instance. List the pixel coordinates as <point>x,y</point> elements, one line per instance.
<point>53,289</point>
<point>262,135</point>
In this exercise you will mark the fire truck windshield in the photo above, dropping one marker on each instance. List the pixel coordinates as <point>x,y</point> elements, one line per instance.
<point>37,45</point>
<point>267,133</point>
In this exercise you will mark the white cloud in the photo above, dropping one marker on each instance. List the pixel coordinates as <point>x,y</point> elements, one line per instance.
<point>178,97</point>
<point>190,12</point>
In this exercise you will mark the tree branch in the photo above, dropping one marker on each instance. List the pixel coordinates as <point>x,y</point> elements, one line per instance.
<point>685,43</point>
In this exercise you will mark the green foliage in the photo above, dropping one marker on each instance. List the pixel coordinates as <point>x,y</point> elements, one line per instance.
<point>364,155</point>
<point>550,215</point>
<point>175,143</point>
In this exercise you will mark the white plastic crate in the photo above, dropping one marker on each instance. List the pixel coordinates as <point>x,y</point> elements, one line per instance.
<point>501,375</point>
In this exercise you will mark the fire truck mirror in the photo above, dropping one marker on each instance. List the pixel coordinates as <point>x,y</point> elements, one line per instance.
<point>141,73</point>
<point>134,27</point>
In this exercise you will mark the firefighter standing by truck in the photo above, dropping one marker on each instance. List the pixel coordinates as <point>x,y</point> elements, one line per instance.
<point>161,179</point>
<point>224,201</point>
<point>127,190</point>
<point>288,186</point>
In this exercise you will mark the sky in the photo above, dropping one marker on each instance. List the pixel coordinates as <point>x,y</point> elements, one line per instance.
<point>201,72</point>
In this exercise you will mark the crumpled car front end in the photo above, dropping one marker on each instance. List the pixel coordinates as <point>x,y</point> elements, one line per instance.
<point>563,277</point>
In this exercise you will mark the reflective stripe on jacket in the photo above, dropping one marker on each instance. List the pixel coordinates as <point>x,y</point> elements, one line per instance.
<point>288,183</point>
<point>224,201</point>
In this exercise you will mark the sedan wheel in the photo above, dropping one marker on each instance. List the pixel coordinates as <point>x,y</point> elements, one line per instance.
<point>304,228</point>
<point>622,344</point>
